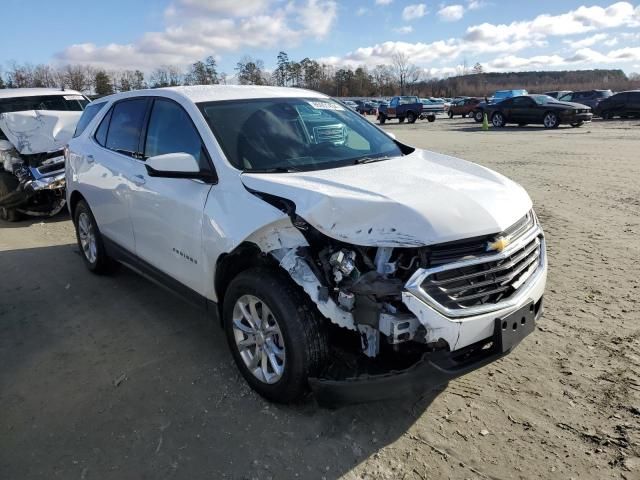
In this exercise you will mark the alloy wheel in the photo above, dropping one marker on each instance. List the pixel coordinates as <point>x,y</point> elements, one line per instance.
<point>550,120</point>
<point>258,339</point>
<point>87,237</point>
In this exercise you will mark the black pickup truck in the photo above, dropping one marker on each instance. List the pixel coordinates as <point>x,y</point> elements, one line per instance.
<point>403,108</point>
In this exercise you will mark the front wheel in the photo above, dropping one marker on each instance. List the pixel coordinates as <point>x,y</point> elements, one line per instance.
<point>276,337</point>
<point>497,119</point>
<point>477,116</point>
<point>382,119</point>
<point>551,120</point>
<point>451,114</point>
<point>401,119</point>
<point>8,184</point>
<point>89,239</point>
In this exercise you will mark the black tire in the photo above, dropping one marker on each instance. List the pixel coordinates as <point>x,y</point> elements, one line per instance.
<point>451,114</point>
<point>411,117</point>
<point>101,263</point>
<point>577,124</point>
<point>478,115</point>
<point>497,120</point>
<point>8,184</point>
<point>401,119</point>
<point>464,115</point>
<point>551,120</point>
<point>382,118</point>
<point>303,332</point>
<point>431,118</point>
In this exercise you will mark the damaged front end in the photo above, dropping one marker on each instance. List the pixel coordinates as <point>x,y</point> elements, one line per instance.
<point>32,176</point>
<point>388,338</point>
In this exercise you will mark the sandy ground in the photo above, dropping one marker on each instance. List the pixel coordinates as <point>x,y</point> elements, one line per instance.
<point>111,378</point>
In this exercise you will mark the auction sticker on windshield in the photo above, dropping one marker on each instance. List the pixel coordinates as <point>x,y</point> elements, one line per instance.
<point>326,105</point>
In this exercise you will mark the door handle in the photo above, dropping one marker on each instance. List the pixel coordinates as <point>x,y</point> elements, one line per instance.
<point>90,159</point>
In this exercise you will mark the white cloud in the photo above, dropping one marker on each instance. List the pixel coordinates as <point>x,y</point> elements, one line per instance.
<point>451,13</point>
<point>362,11</point>
<point>588,41</point>
<point>383,2</point>
<point>580,20</point>
<point>475,4</point>
<point>191,34</point>
<point>411,12</point>
<point>404,30</point>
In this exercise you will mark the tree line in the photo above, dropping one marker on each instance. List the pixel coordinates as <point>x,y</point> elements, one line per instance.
<point>400,76</point>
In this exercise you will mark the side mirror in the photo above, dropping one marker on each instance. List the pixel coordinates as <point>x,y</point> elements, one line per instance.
<point>176,165</point>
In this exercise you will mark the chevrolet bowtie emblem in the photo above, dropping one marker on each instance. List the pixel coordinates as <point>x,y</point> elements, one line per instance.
<point>498,245</point>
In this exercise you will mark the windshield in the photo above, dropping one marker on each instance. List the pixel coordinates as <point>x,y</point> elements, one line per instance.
<point>71,102</point>
<point>289,134</point>
<point>543,99</point>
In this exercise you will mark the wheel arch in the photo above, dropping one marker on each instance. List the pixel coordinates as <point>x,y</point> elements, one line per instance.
<point>74,198</point>
<point>229,265</point>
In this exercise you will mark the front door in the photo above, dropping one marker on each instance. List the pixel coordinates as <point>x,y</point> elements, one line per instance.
<point>167,213</point>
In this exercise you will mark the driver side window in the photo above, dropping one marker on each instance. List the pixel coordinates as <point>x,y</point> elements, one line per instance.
<point>171,131</point>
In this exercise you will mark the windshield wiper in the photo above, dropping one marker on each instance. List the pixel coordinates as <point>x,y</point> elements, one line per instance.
<point>362,160</point>
<point>272,170</point>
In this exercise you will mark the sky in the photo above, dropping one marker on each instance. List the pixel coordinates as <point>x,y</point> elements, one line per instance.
<point>440,37</point>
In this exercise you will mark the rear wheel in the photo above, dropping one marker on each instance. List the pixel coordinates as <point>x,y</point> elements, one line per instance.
<point>411,117</point>
<point>8,184</point>
<point>477,116</point>
<point>277,339</point>
<point>551,120</point>
<point>401,119</point>
<point>577,124</point>
<point>497,119</point>
<point>431,118</point>
<point>382,119</point>
<point>89,239</point>
<point>451,114</point>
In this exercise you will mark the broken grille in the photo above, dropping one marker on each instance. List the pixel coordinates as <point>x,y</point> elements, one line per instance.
<point>483,283</point>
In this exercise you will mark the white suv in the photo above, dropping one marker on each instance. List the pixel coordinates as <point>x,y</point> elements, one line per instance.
<point>336,257</point>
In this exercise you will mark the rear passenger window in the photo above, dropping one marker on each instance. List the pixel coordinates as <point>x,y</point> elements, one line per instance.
<point>127,118</point>
<point>172,131</point>
<point>89,113</point>
<point>101,133</point>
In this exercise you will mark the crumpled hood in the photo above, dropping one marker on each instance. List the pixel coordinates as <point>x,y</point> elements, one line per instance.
<point>39,131</point>
<point>421,199</point>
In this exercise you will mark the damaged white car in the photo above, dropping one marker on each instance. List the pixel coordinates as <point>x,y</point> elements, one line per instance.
<point>337,258</point>
<point>35,125</point>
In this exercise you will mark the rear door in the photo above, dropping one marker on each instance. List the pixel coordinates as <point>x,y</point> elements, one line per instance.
<point>104,169</point>
<point>167,213</point>
<point>633,103</point>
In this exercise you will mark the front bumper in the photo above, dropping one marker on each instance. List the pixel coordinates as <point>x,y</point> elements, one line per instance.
<point>433,369</point>
<point>578,117</point>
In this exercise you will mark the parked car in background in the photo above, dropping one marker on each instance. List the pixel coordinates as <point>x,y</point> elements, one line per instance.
<point>35,125</point>
<point>361,269</point>
<point>622,104</point>
<point>366,107</point>
<point>558,93</point>
<point>463,107</point>
<point>351,104</point>
<point>403,108</point>
<point>590,98</point>
<point>538,109</point>
<point>497,97</point>
<point>431,106</point>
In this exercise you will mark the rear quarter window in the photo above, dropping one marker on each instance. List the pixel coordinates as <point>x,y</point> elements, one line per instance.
<point>89,114</point>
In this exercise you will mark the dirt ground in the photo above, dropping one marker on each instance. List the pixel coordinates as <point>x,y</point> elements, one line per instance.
<point>112,378</point>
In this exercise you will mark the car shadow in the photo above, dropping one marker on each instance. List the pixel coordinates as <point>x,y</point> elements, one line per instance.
<point>111,376</point>
<point>26,221</point>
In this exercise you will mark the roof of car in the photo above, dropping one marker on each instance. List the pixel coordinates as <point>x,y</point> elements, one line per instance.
<point>34,92</point>
<point>210,93</point>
